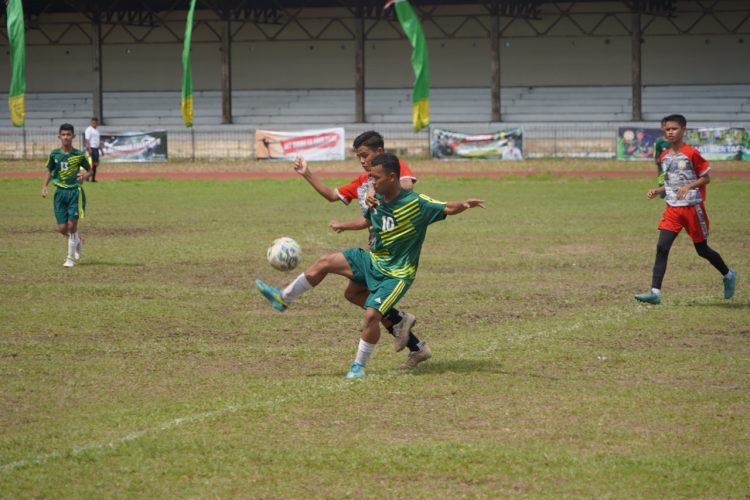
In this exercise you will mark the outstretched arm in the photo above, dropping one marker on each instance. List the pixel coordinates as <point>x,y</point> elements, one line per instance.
<point>352,225</point>
<point>456,207</point>
<point>300,166</point>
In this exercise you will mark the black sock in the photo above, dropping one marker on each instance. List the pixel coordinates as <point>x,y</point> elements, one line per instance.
<point>394,316</point>
<point>412,344</point>
<point>712,256</point>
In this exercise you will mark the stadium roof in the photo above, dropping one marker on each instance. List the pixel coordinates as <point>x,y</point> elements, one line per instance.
<point>53,6</point>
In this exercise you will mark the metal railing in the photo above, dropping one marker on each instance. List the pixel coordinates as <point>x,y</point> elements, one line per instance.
<point>549,140</point>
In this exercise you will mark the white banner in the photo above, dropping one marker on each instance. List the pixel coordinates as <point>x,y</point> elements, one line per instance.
<point>314,145</point>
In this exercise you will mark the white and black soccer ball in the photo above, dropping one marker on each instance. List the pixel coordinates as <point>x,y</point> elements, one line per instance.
<point>284,254</point>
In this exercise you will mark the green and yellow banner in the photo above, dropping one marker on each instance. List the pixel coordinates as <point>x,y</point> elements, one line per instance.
<point>187,76</point>
<point>419,62</point>
<point>17,42</point>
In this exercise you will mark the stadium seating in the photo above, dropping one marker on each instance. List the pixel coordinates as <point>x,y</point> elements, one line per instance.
<point>726,104</point>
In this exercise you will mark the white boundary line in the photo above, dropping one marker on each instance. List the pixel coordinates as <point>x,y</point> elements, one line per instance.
<point>76,451</point>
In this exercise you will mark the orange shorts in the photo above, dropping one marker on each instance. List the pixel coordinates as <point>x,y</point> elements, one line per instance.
<point>693,219</point>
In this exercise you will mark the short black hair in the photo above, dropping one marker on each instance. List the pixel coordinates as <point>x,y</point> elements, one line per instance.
<point>66,126</point>
<point>370,139</point>
<point>389,162</point>
<point>94,119</point>
<point>675,118</point>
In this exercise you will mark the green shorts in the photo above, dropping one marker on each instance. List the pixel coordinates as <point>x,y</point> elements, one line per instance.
<point>69,204</point>
<point>385,291</point>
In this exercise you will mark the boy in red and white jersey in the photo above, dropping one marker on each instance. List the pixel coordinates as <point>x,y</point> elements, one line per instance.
<point>367,146</point>
<point>686,174</point>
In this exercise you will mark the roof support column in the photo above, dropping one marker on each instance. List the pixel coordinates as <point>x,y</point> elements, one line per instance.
<point>226,66</point>
<point>359,66</point>
<point>96,52</point>
<point>495,61</point>
<point>635,62</point>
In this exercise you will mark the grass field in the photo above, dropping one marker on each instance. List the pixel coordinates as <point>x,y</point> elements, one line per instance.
<point>153,369</point>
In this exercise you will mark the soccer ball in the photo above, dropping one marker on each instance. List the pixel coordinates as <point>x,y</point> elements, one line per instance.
<point>284,254</point>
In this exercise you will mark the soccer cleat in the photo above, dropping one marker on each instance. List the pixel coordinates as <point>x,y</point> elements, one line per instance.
<point>356,371</point>
<point>79,250</point>
<point>272,294</point>
<point>416,357</point>
<point>401,331</point>
<point>729,284</point>
<point>649,298</point>
<point>69,263</point>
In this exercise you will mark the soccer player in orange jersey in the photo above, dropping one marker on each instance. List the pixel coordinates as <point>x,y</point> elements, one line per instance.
<point>686,174</point>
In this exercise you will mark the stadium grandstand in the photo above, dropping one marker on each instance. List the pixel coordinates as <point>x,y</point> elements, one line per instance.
<point>574,70</point>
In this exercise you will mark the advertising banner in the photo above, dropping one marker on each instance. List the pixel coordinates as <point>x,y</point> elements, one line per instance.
<point>636,143</point>
<point>314,145</point>
<point>134,147</point>
<point>503,145</point>
<point>717,143</point>
<point>713,143</point>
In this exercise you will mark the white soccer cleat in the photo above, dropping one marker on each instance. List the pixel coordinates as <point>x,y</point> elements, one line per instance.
<point>401,331</point>
<point>69,263</point>
<point>416,357</point>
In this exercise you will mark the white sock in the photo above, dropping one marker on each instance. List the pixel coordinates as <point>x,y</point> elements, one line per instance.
<point>296,288</point>
<point>77,238</point>
<point>71,245</point>
<point>657,291</point>
<point>364,351</point>
<point>729,274</point>
<point>420,345</point>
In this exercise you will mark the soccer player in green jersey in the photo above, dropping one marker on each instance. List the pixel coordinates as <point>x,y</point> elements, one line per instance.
<point>386,272</point>
<point>64,170</point>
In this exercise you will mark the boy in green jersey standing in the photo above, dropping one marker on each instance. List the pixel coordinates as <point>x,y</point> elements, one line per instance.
<point>64,170</point>
<point>386,272</point>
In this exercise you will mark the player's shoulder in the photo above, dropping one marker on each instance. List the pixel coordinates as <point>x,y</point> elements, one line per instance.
<point>688,150</point>
<point>405,170</point>
<point>361,178</point>
<point>427,199</point>
<point>76,152</point>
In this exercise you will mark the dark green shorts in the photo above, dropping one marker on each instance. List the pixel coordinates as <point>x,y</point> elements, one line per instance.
<point>385,291</point>
<point>69,204</point>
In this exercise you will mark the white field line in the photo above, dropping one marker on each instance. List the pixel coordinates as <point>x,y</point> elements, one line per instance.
<point>76,451</point>
<point>609,318</point>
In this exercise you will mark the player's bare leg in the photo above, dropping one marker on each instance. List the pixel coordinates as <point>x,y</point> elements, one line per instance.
<point>397,323</point>
<point>334,263</point>
<point>370,337</point>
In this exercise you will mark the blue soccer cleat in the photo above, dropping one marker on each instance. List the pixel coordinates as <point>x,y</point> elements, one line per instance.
<point>356,371</point>
<point>649,298</point>
<point>729,284</point>
<point>273,295</point>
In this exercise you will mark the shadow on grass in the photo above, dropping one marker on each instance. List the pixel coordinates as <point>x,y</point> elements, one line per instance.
<point>471,366</point>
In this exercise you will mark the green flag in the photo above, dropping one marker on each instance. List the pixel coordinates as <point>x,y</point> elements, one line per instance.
<point>420,108</point>
<point>187,77</point>
<point>17,42</point>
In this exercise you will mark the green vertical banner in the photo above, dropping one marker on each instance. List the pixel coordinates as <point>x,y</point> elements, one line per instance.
<point>187,76</point>
<point>419,62</point>
<point>17,42</point>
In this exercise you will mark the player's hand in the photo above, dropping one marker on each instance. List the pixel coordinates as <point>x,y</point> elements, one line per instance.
<point>651,193</point>
<point>474,202</point>
<point>300,165</point>
<point>336,226</point>
<point>682,192</point>
<point>44,191</point>
<point>370,199</point>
